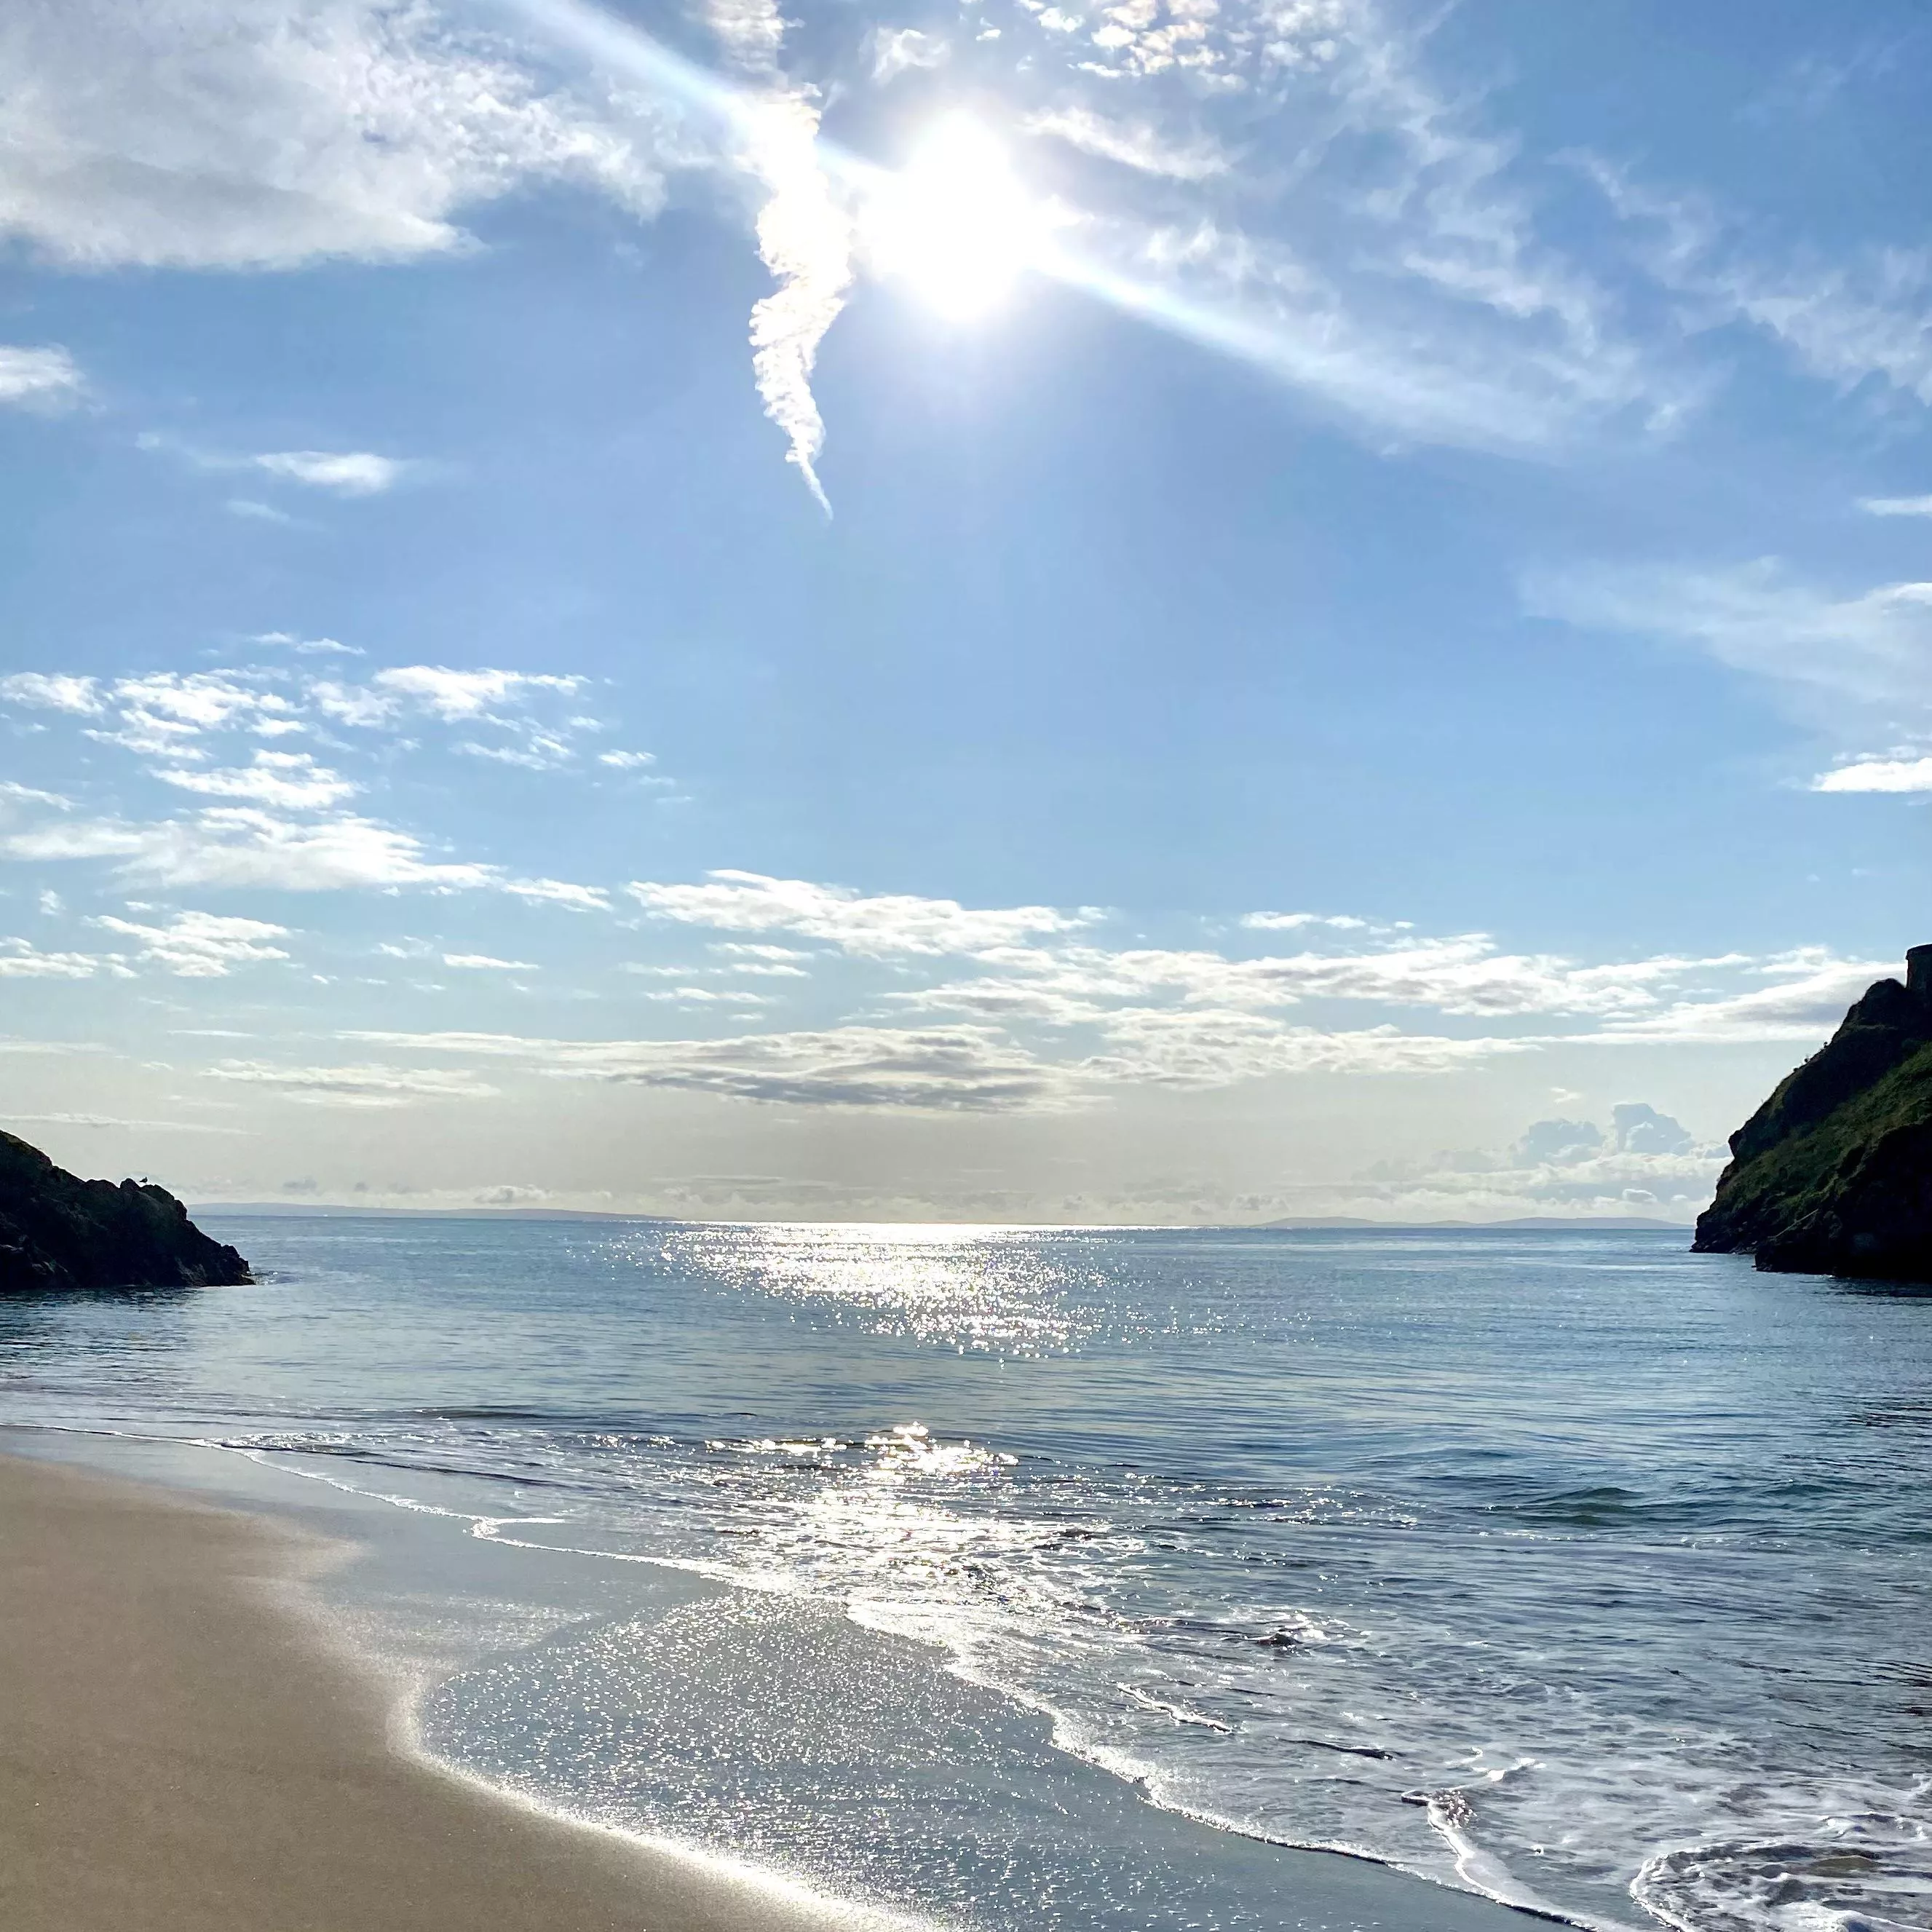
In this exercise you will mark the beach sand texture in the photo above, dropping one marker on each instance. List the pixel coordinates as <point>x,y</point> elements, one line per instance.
<point>180,1752</point>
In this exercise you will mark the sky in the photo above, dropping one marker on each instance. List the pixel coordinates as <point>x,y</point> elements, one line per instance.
<point>1157,611</point>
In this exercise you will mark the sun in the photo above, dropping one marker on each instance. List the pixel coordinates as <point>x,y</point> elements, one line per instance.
<point>955,224</point>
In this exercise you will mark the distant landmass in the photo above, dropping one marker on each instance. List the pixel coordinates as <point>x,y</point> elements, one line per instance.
<point>1833,1173</point>
<point>58,1231</point>
<point>1592,1222</point>
<point>272,1209</point>
<point>309,1209</point>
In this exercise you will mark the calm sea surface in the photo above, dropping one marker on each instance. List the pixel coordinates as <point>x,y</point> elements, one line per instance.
<point>1573,1569</point>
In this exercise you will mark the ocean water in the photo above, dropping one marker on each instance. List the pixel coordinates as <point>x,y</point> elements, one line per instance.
<point>978,1573</point>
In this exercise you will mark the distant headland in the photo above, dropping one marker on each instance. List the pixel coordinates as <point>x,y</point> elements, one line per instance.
<point>1833,1173</point>
<point>58,1231</point>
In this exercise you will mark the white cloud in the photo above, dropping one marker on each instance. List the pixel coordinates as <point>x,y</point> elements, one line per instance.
<point>455,696</point>
<point>22,794</point>
<point>1847,321</point>
<point>203,945</point>
<point>558,891</point>
<point>356,1086</point>
<point>285,780</point>
<point>626,761</point>
<point>235,847</point>
<point>1465,975</point>
<point>1131,144</point>
<point>1871,650</point>
<point>482,962</point>
<point>162,713</point>
<point>1891,774</point>
<point>47,378</point>
<point>1290,922</point>
<point>1193,1049</point>
<point>706,996</point>
<point>308,647</point>
<point>896,49</point>
<point>53,690</point>
<point>1896,506</point>
<point>1813,991</point>
<point>268,134</point>
<point>20,959</point>
<point>347,473</point>
<point>877,926</point>
<point>805,239</point>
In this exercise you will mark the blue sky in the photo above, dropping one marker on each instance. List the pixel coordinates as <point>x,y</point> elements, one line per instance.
<point>1179,609</point>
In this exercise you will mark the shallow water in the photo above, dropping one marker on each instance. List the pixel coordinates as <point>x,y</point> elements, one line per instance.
<point>1574,1568</point>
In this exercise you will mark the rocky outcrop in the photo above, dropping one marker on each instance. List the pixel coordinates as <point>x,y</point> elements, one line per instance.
<point>1833,1173</point>
<point>58,1231</point>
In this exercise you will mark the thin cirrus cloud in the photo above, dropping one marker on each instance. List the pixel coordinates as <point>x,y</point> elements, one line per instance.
<point>337,473</point>
<point>1870,650</point>
<point>362,1086</point>
<point>1896,506</point>
<point>954,1069</point>
<point>1137,144</point>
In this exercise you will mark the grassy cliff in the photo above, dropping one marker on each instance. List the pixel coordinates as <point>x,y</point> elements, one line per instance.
<point>58,1231</point>
<point>1833,1173</point>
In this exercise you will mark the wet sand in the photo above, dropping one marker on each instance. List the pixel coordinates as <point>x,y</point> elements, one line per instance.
<point>182,1749</point>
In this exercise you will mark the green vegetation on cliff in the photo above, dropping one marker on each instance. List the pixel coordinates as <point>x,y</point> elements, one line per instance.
<point>1833,1173</point>
<point>58,1231</point>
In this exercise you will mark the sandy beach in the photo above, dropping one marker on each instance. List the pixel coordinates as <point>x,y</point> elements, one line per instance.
<point>182,1752</point>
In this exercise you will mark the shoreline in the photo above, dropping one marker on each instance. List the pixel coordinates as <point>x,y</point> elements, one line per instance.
<point>186,1751</point>
<point>279,1780</point>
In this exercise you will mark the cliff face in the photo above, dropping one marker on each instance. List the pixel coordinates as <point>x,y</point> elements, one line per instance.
<point>1833,1173</point>
<point>58,1231</point>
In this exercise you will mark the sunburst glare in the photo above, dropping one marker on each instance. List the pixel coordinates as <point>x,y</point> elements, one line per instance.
<point>956,224</point>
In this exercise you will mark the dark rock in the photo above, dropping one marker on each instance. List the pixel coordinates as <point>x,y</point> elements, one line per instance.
<point>1833,1173</point>
<point>58,1231</point>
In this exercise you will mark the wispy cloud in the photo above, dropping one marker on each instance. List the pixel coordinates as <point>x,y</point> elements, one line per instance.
<point>1138,145</point>
<point>344,473</point>
<point>308,647</point>
<point>895,50</point>
<point>361,1086</point>
<point>238,848</point>
<point>1810,992</point>
<point>1896,506</point>
<point>44,378</point>
<point>21,959</point>
<point>201,945</point>
<point>483,962</point>
<point>877,925</point>
<point>968,1069</point>
<point>286,780</point>
<point>1871,650</point>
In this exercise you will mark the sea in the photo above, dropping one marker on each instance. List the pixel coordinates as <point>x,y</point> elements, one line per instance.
<point>1065,1578</point>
